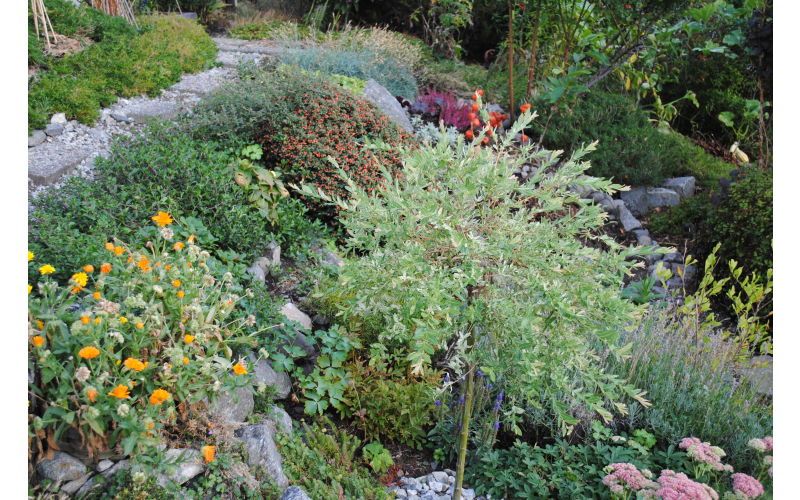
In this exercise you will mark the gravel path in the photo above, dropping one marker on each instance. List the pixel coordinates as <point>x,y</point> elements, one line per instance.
<point>73,151</point>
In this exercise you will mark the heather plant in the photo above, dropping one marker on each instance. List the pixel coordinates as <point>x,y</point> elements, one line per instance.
<point>448,284</point>
<point>444,107</point>
<point>129,349</point>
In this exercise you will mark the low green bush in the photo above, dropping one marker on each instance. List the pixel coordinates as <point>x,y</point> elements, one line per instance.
<point>119,66</point>
<point>84,21</point>
<point>631,150</point>
<point>163,167</point>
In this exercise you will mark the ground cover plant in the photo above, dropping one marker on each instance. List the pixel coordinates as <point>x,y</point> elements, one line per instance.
<point>120,63</point>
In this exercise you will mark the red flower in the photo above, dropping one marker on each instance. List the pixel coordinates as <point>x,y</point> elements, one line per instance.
<point>628,6</point>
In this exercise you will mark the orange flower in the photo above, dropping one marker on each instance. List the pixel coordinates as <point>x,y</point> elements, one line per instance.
<point>176,283</point>
<point>76,289</point>
<point>144,264</point>
<point>185,361</point>
<point>88,268</point>
<point>168,267</point>
<point>479,92</point>
<point>162,219</point>
<point>105,268</point>
<point>118,250</point>
<point>89,352</point>
<point>525,107</point>
<point>189,265</point>
<point>178,246</point>
<point>38,340</point>
<point>180,294</point>
<point>238,369</point>
<point>191,239</point>
<point>96,295</point>
<point>475,107</point>
<point>92,394</point>
<point>208,453</point>
<point>120,392</point>
<point>469,135</point>
<point>159,396</point>
<point>140,325</point>
<point>85,320</point>
<point>188,338</point>
<point>109,246</point>
<point>134,364</point>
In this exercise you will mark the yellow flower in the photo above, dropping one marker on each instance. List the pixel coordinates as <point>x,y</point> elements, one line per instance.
<point>178,246</point>
<point>188,338</point>
<point>120,392</point>
<point>39,324</point>
<point>47,269</point>
<point>185,361</point>
<point>162,219</point>
<point>238,369</point>
<point>88,268</point>
<point>38,340</point>
<point>30,256</point>
<point>81,279</point>
<point>123,319</point>
<point>176,283</point>
<point>134,364</point>
<point>159,396</point>
<point>208,453</point>
<point>97,321</point>
<point>29,289</point>
<point>89,352</point>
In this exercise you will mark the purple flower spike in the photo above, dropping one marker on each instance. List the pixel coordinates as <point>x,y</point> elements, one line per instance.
<point>500,397</point>
<point>438,403</point>
<point>479,372</point>
<point>460,401</point>
<point>489,385</point>
<point>446,378</point>
<point>497,405</point>
<point>496,424</point>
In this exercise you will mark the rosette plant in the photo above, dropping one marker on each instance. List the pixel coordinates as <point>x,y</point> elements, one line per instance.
<point>462,266</point>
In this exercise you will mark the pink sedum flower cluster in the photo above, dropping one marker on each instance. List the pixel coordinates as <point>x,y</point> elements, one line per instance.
<point>705,453</point>
<point>678,486</point>
<point>746,485</point>
<point>762,445</point>
<point>624,475</point>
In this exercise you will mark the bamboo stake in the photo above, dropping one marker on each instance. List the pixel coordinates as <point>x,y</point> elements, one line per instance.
<point>510,50</point>
<point>464,437</point>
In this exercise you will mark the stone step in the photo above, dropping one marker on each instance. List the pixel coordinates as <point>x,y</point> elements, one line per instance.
<point>48,162</point>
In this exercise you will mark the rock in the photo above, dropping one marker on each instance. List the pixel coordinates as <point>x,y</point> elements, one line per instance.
<point>321,321</point>
<point>225,409</point>
<point>189,15</point>
<point>91,483</point>
<point>467,493</point>
<point>36,138</point>
<point>292,313</point>
<point>329,258</point>
<point>120,117</point>
<point>100,135</point>
<point>495,108</point>
<point>609,205</point>
<point>440,476</point>
<point>59,118</point>
<point>73,486</point>
<point>628,221</point>
<point>62,467</point>
<point>259,270</point>
<point>279,381</point>
<point>640,200</point>
<point>54,129</point>
<point>281,419</point>
<point>688,272</point>
<point>375,93</point>
<point>262,452</point>
<point>188,463</point>
<point>400,493</point>
<point>295,493</point>
<point>642,237</point>
<point>759,371</point>
<point>144,110</point>
<point>437,487</point>
<point>684,186</point>
<point>104,465</point>
<point>673,257</point>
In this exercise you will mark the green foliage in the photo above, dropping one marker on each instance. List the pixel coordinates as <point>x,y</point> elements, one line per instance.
<point>258,30</point>
<point>263,187</point>
<point>641,292</point>
<point>442,266</point>
<point>85,21</point>
<point>364,64</point>
<point>227,477</point>
<point>323,460</point>
<point>325,386</point>
<point>163,167</point>
<point>378,457</point>
<point>121,65</point>
<point>351,84</point>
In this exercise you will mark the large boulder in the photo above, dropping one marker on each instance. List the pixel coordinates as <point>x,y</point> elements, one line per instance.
<point>233,407</point>
<point>262,452</point>
<point>377,94</point>
<point>684,186</point>
<point>640,200</point>
<point>295,493</point>
<point>263,373</point>
<point>188,463</point>
<point>62,467</point>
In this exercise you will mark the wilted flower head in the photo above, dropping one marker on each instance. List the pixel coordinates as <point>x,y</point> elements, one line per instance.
<point>82,374</point>
<point>167,233</point>
<point>251,320</point>
<point>108,306</point>
<point>747,485</point>
<point>757,444</point>
<point>123,409</point>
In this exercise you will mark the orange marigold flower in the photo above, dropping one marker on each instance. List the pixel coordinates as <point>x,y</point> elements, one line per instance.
<point>191,239</point>
<point>140,325</point>
<point>208,453</point>
<point>119,250</point>
<point>238,369</point>
<point>85,320</point>
<point>76,289</point>
<point>185,361</point>
<point>96,295</point>
<point>92,394</point>
<point>105,268</point>
<point>475,107</point>
<point>38,340</point>
<point>178,246</point>
<point>144,264</point>
<point>159,396</point>
<point>176,283</point>
<point>120,392</point>
<point>162,219</point>
<point>89,352</point>
<point>134,364</point>
<point>189,264</point>
<point>525,107</point>
<point>109,246</point>
<point>188,338</point>
<point>180,294</point>
<point>168,267</point>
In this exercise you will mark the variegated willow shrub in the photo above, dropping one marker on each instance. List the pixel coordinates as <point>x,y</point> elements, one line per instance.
<point>123,353</point>
<point>462,268</point>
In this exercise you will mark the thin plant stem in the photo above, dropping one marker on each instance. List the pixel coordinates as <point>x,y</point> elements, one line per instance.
<point>464,437</point>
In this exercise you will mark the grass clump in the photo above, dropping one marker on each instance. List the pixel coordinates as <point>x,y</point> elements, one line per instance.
<point>120,64</point>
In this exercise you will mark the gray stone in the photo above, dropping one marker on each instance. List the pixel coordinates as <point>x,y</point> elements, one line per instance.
<point>73,486</point>
<point>121,117</point>
<point>54,129</point>
<point>36,138</point>
<point>103,465</point>
<point>329,258</point>
<point>375,93</point>
<point>204,82</point>
<point>225,409</point>
<point>321,320</point>
<point>688,272</point>
<point>258,270</point>
<point>440,476</point>
<point>281,419</point>
<point>188,463</point>
<point>400,493</point>
<point>684,186</point>
<point>142,111</point>
<point>643,237</point>
<point>264,374</point>
<point>59,118</point>
<point>609,206</point>
<point>495,108</point>
<point>100,135</point>
<point>92,482</point>
<point>262,452</point>
<point>62,467</point>
<point>291,312</point>
<point>673,257</point>
<point>437,486</point>
<point>295,493</point>
<point>234,59</point>
<point>759,371</point>
<point>635,200</point>
<point>640,200</point>
<point>675,283</point>
<point>662,197</point>
<point>628,221</point>
<point>49,162</point>
<point>467,493</point>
